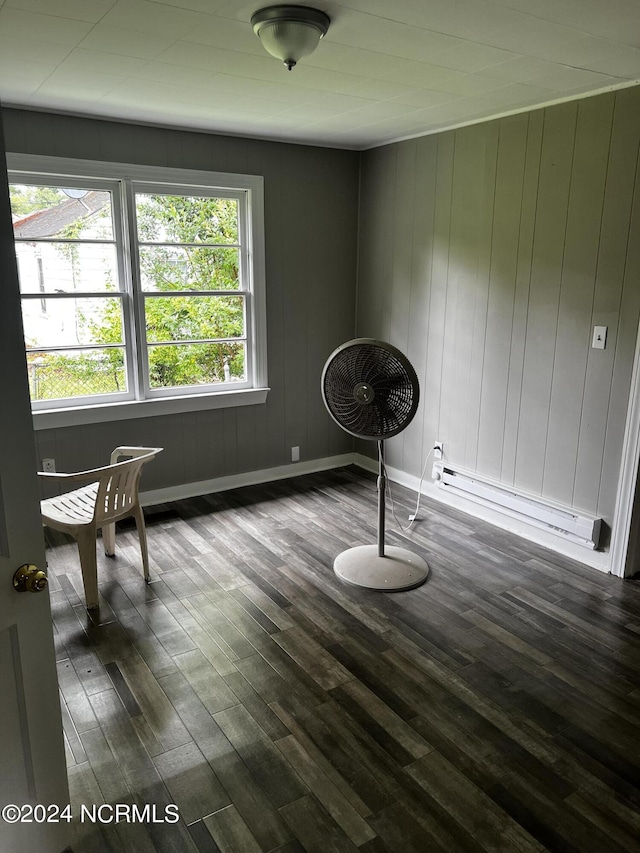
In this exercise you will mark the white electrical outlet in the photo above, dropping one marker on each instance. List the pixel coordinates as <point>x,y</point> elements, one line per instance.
<point>49,466</point>
<point>438,449</point>
<point>295,454</point>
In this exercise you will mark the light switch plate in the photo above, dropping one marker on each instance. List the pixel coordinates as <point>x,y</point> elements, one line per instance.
<point>599,337</point>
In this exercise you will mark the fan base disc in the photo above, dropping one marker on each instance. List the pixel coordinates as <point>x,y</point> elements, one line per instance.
<point>399,569</point>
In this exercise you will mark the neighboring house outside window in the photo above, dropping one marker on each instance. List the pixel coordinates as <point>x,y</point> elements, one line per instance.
<point>140,286</point>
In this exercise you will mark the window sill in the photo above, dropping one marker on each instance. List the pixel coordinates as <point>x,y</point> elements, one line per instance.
<point>53,418</point>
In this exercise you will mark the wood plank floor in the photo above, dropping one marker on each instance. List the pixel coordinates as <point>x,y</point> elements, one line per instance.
<point>495,708</point>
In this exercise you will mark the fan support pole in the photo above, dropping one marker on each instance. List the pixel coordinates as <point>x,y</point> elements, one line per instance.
<point>382,486</point>
<point>388,569</point>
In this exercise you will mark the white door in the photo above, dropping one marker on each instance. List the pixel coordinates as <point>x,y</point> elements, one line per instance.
<point>32,762</point>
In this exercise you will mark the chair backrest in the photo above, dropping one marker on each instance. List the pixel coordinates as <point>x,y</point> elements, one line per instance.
<point>118,484</point>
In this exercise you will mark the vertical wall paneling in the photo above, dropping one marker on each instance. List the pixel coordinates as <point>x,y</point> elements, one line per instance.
<point>330,301</point>
<point>152,143</point>
<point>376,263</point>
<point>528,236</point>
<point>544,295</point>
<point>573,335</point>
<point>230,439</point>
<point>490,135</point>
<point>115,140</point>
<point>311,211</point>
<point>464,252</point>
<point>276,272</point>
<point>209,444</point>
<point>154,432</point>
<point>297,253</point>
<point>436,320</point>
<point>246,438</point>
<point>528,208</point>
<point>37,132</point>
<point>400,283</point>
<point>625,347</point>
<point>76,135</point>
<point>46,447</point>
<point>507,214</point>
<point>424,177</point>
<point>386,255</point>
<point>370,188</point>
<point>602,432</point>
<point>191,462</point>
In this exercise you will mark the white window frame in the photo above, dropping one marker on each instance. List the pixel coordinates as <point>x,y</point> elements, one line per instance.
<point>141,400</point>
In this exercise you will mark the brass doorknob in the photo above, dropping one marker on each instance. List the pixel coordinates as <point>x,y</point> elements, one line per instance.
<point>29,578</point>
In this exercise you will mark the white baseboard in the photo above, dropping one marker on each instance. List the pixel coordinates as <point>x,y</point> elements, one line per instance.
<point>250,478</point>
<point>596,559</point>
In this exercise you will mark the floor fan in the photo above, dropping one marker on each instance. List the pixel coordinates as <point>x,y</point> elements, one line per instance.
<point>371,390</point>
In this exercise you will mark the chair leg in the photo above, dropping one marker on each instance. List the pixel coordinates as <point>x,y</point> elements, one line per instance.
<point>142,536</point>
<point>89,565</point>
<point>109,539</point>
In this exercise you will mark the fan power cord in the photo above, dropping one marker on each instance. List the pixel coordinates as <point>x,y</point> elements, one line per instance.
<point>414,515</point>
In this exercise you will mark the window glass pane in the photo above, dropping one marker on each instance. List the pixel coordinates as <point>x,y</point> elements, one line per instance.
<point>72,213</point>
<point>192,318</point>
<point>189,268</point>
<point>176,320</point>
<point>65,322</point>
<point>186,219</point>
<point>66,267</point>
<point>195,364</point>
<point>84,373</point>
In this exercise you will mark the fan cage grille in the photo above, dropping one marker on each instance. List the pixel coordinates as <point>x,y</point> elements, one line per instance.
<point>383,369</point>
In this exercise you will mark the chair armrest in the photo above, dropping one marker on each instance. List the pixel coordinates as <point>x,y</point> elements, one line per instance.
<point>78,477</point>
<point>134,452</point>
<point>96,473</point>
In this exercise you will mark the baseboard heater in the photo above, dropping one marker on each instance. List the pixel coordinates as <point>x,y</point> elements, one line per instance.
<point>579,528</point>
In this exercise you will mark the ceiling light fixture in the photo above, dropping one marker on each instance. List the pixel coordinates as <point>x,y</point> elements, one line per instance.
<point>290,32</point>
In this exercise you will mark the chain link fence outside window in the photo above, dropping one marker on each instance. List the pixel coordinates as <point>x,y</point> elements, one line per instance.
<point>58,379</point>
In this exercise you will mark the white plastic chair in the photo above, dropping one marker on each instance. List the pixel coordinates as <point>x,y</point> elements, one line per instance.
<point>111,494</point>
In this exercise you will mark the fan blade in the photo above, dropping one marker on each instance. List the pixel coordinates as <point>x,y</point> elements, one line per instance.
<point>395,379</point>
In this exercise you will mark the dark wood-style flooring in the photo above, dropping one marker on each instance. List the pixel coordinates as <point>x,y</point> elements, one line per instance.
<point>495,708</point>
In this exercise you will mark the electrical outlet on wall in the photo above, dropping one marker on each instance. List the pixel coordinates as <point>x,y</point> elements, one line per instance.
<point>438,449</point>
<point>295,454</point>
<point>49,466</point>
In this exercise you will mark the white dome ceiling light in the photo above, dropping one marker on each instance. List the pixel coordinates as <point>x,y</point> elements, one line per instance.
<point>290,32</point>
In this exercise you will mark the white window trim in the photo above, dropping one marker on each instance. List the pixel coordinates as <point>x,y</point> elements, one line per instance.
<point>182,178</point>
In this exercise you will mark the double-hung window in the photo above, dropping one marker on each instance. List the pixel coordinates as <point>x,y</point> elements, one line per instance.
<point>142,288</point>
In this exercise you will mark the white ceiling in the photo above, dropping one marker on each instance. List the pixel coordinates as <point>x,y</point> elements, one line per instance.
<point>386,70</point>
